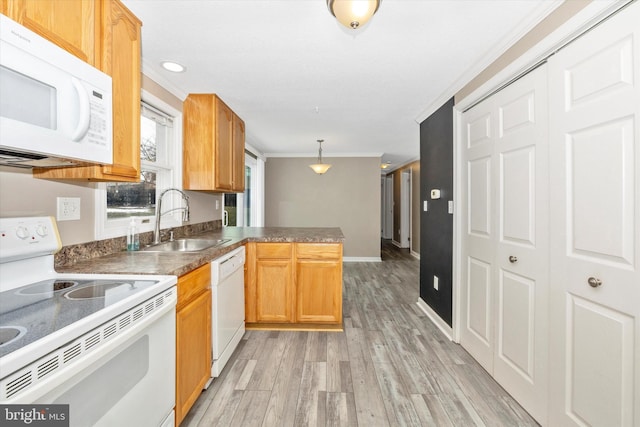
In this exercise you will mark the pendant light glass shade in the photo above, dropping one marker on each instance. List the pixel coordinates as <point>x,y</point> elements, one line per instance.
<point>320,167</point>
<point>353,14</point>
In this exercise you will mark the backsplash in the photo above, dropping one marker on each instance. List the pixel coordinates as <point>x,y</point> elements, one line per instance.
<point>71,254</point>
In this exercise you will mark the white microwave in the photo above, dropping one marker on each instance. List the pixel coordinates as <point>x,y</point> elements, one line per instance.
<point>55,109</point>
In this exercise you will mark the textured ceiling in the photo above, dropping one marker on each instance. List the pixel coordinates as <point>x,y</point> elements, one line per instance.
<point>294,75</point>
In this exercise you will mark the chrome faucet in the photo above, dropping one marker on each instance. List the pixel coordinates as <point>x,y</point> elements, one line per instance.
<point>159,213</point>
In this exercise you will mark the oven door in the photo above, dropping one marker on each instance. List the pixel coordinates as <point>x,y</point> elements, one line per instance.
<point>128,381</point>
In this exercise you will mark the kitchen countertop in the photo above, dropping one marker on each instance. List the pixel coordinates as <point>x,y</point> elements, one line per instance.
<point>180,263</point>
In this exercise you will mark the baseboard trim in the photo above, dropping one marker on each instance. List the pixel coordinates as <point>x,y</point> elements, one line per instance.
<point>415,254</point>
<point>361,259</point>
<point>436,319</point>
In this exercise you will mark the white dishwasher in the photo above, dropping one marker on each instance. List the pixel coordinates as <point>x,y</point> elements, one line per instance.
<point>227,286</point>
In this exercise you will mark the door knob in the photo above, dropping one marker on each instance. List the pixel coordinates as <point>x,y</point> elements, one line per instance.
<point>513,259</point>
<point>593,282</point>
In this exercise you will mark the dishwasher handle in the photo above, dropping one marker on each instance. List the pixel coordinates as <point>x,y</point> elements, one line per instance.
<point>225,266</point>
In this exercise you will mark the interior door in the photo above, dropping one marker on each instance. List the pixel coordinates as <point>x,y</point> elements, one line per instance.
<point>522,232</point>
<point>405,209</point>
<point>595,213</point>
<point>505,248</point>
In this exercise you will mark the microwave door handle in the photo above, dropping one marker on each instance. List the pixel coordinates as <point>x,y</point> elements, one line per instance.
<point>85,111</point>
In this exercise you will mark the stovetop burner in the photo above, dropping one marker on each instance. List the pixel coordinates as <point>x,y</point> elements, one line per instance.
<point>47,286</point>
<point>47,306</point>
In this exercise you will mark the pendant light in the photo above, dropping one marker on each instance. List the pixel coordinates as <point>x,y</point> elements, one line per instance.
<point>353,14</point>
<point>320,167</point>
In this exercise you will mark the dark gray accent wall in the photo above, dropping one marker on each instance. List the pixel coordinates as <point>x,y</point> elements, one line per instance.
<point>436,224</point>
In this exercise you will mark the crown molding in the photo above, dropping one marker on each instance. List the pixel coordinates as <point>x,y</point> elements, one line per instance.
<point>324,154</point>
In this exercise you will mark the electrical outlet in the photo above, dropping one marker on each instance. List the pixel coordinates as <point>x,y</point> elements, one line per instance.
<point>436,283</point>
<point>68,208</point>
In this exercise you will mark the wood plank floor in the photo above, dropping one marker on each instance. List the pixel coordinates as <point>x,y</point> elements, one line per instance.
<point>390,367</point>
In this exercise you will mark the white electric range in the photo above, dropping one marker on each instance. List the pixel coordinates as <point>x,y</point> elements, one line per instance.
<point>101,343</point>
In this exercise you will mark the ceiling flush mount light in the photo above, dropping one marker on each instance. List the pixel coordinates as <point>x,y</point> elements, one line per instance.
<point>353,14</point>
<point>385,165</point>
<point>174,67</point>
<point>320,167</point>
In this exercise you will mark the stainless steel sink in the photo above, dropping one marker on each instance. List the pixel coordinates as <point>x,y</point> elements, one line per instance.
<point>186,245</point>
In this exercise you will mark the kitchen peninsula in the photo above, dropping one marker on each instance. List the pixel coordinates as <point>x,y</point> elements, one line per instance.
<point>293,275</point>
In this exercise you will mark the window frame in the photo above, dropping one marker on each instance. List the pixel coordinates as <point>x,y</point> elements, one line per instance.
<point>105,228</point>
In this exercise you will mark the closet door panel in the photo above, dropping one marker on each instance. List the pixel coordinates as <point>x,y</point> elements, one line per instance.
<point>516,323</point>
<point>478,308</point>
<point>480,209</point>
<point>517,196</point>
<point>504,310</point>
<point>595,211</point>
<point>601,192</point>
<point>477,289</point>
<point>521,352</point>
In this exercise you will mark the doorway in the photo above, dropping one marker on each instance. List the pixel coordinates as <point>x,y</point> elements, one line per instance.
<point>243,209</point>
<point>405,209</point>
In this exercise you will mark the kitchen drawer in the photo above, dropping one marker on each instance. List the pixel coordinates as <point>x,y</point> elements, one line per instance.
<point>273,250</point>
<point>318,250</point>
<point>192,284</point>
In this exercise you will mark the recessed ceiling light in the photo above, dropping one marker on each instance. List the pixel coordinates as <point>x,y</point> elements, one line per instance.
<point>174,67</point>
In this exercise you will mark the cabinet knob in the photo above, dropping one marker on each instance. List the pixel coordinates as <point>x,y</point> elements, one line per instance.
<point>594,282</point>
<point>513,259</point>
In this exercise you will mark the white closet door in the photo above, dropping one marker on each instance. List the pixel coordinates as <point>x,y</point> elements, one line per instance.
<point>595,220</point>
<point>522,263</point>
<point>505,249</point>
<point>479,242</point>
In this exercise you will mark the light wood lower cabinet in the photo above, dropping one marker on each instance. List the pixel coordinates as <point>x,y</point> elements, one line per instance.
<point>294,283</point>
<point>193,338</point>
<point>274,282</point>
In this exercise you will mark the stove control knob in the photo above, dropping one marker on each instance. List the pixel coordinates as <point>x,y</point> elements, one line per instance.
<point>41,229</point>
<point>22,232</point>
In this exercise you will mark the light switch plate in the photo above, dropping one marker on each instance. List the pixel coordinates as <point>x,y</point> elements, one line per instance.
<point>68,208</point>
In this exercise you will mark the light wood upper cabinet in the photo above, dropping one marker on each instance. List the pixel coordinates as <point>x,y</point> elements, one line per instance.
<point>193,338</point>
<point>237,171</point>
<point>120,58</point>
<point>74,25</point>
<point>213,145</point>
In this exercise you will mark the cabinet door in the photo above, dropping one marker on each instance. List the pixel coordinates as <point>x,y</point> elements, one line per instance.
<point>208,150</point>
<point>223,161</point>
<point>71,24</point>
<point>274,290</point>
<point>121,60</point>
<point>193,352</point>
<point>198,142</point>
<point>238,154</point>
<point>319,291</point>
